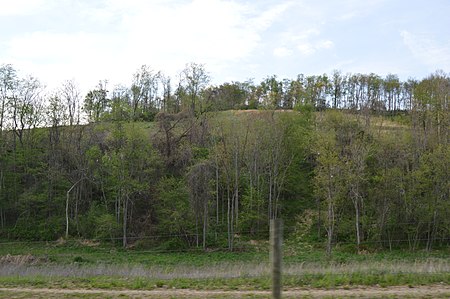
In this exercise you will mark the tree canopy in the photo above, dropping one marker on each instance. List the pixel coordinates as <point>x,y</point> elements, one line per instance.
<point>344,158</point>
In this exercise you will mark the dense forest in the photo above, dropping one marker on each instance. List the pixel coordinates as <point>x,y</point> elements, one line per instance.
<point>345,159</point>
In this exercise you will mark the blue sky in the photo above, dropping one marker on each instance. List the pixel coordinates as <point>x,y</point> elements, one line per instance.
<point>92,40</point>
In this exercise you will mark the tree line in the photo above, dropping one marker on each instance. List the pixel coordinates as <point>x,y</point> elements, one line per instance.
<point>344,159</point>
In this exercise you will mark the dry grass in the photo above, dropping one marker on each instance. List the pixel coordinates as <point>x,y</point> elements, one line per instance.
<point>29,266</point>
<point>429,266</point>
<point>20,260</point>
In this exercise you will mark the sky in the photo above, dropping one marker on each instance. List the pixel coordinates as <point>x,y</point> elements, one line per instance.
<point>236,40</point>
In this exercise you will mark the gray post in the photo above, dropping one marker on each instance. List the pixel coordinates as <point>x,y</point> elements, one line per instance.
<point>276,239</point>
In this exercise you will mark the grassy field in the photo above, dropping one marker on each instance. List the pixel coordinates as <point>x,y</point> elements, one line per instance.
<point>79,264</point>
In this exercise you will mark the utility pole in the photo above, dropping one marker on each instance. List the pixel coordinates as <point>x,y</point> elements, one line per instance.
<point>276,240</point>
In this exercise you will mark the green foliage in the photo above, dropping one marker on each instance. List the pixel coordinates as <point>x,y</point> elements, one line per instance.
<point>304,108</point>
<point>250,218</point>
<point>300,240</point>
<point>200,153</point>
<point>29,228</point>
<point>97,223</point>
<point>377,163</point>
<point>373,169</point>
<point>174,213</point>
<point>96,102</point>
<point>106,226</point>
<point>298,190</point>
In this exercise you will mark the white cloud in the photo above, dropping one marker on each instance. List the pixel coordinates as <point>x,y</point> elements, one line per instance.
<point>350,9</point>
<point>296,36</point>
<point>162,34</point>
<point>23,7</point>
<point>309,48</point>
<point>55,57</point>
<point>306,42</point>
<point>168,36</point>
<point>206,30</point>
<point>282,52</point>
<point>263,21</point>
<point>324,44</point>
<point>92,40</point>
<point>58,46</point>
<point>306,48</point>
<point>427,50</point>
<point>347,15</point>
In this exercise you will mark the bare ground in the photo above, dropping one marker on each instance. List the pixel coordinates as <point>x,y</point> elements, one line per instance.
<point>432,291</point>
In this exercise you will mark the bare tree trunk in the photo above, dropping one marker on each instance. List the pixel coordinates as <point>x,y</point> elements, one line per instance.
<point>270,197</point>
<point>330,230</point>
<point>2,220</point>
<point>236,185</point>
<point>205,222</point>
<point>251,198</point>
<point>67,206</point>
<point>416,237</point>
<point>331,216</point>
<point>229,223</point>
<point>358,235</point>
<point>196,230</point>
<point>125,221</point>
<point>117,207</point>
<point>259,203</point>
<point>431,231</point>
<point>217,197</point>
<point>319,221</point>
<point>355,198</point>
<point>232,221</point>
<point>75,216</point>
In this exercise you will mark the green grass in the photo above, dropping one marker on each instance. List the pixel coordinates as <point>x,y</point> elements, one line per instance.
<point>71,264</point>
<point>327,281</point>
<point>363,279</point>
<point>105,254</point>
<point>75,251</point>
<point>345,256</point>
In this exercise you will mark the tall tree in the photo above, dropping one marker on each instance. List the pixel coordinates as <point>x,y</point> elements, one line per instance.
<point>200,187</point>
<point>70,94</point>
<point>328,184</point>
<point>337,83</point>
<point>8,88</point>
<point>392,91</point>
<point>96,102</point>
<point>144,93</point>
<point>27,107</point>
<point>194,79</point>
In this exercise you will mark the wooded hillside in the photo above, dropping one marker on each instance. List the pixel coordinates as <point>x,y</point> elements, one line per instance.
<point>344,159</point>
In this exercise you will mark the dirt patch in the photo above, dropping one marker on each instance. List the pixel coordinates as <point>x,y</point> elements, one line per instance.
<point>433,291</point>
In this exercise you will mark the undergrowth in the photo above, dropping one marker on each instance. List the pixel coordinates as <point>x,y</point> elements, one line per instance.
<point>81,265</point>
